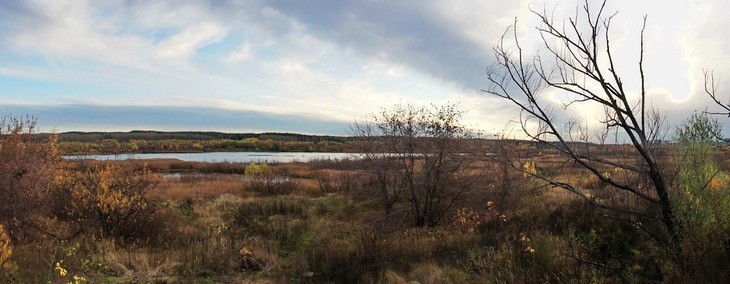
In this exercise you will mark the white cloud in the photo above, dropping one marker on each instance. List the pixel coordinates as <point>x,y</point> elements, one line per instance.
<point>19,73</point>
<point>67,29</point>
<point>244,52</point>
<point>336,59</point>
<point>189,40</point>
<point>479,21</point>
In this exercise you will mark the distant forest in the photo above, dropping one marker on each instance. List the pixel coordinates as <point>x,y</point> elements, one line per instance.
<point>137,141</point>
<point>76,143</point>
<point>149,135</point>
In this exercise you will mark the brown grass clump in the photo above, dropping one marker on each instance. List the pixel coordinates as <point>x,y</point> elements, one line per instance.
<point>393,277</point>
<point>178,166</point>
<point>205,186</point>
<point>344,254</point>
<point>295,169</point>
<point>428,273</point>
<point>526,260</point>
<point>257,256</point>
<point>333,181</point>
<point>271,185</point>
<point>138,265</point>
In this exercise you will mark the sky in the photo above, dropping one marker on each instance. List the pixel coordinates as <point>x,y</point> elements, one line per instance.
<point>315,66</point>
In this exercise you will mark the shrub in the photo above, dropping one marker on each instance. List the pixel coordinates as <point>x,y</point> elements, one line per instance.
<point>418,154</point>
<point>336,259</point>
<point>702,201</point>
<point>256,257</point>
<point>271,184</point>
<point>27,168</point>
<point>337,182</point>
<point>253,169</point>
<point>284,222</point>
<point>112,196</point>
<point>263,181</point>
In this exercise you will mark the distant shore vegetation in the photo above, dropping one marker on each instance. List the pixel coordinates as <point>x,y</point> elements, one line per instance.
<point>83,143</point>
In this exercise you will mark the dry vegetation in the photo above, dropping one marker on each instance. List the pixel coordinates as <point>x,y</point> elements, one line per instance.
<point>327,227</point>
<point>168,221</point>
<point>423,205</point>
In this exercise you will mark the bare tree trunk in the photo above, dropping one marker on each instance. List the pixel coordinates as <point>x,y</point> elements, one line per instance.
<point>580,63</point>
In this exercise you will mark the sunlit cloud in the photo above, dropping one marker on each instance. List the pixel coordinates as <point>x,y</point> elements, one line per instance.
<point>189,40</point>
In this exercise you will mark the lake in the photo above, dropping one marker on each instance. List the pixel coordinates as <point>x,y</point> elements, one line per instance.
<point>232,157</point>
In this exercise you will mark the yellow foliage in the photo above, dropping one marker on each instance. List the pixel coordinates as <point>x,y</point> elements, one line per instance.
<point>113,194</point>
<point>529,249</point>
<point>467,220</point>
<point>529,168</point>
<point>6,251</point>
<point>256,170</point>
<point>61,271</point>
<point>78,279</point>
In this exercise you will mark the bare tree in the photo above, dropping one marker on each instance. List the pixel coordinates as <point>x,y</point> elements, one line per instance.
<point>578,63</point>
<point>418,155</point>
<point>711,90</point>
<point>511,185</point>
<point>383,170</point>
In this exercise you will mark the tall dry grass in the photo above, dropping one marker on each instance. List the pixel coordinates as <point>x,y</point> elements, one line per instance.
<point>204,186</point>
<point>328,227</point>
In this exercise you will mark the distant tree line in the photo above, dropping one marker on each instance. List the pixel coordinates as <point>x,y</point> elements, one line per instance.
<point>76,136</point>
<point>78,143</point>
<point>114,146</point>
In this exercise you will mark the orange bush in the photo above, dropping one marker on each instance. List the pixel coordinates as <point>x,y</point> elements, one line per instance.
<point>27,167</point>
<point>112,196</point>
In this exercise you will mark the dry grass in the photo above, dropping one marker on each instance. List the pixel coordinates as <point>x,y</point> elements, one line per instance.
<point>295,169</point>
<point>328,227</point>
<point>138,265</point>
<point>178,166</point>
<point>199,186</point>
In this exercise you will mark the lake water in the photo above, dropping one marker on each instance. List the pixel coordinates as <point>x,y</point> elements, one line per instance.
<point>233,157</point>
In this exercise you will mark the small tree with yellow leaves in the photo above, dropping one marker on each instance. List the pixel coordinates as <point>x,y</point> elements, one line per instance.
<point>27,167</point>
<point>112,196</point>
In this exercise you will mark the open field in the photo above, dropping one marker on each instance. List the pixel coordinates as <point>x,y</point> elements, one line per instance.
<point>319,222</point>
<point>440,208</point>
<point>407,142</point>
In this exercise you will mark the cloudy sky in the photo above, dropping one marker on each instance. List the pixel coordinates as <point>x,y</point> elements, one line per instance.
<point>311,66</point>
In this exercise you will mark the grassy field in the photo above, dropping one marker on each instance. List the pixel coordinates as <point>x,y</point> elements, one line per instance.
<point>319,223</point>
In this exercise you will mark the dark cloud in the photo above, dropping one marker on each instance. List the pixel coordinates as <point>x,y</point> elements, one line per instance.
<point>14,14</point>
<point>403,32</point>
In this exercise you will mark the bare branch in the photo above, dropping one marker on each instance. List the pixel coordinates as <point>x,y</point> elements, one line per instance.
<point>585,70</point>
<point>711,90</point>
